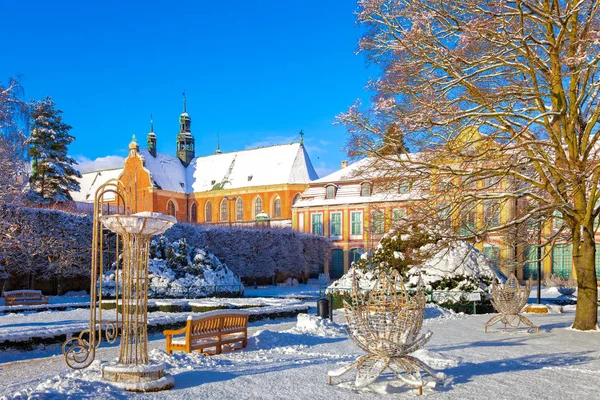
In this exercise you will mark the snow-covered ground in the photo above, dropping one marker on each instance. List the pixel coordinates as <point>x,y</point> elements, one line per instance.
<point>289,360</point>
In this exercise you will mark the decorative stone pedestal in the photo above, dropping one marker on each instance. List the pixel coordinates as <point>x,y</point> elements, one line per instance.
<point>142,378</point>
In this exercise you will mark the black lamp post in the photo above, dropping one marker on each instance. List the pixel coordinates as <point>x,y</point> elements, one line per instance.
<point>229,199</point>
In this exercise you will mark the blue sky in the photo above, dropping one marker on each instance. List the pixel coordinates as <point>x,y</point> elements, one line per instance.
<point>254,72</point>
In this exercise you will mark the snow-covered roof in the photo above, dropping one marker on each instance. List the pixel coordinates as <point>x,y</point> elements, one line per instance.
<point>348,188</point>
<point>91,181</point>
<point>273,165</point>
<point>167,172</point>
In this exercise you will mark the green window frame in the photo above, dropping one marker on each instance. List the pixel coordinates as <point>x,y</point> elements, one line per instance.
<point>491,213</point>
<point>377,222</point>
<point>356,223</point>
<point>398,214</point>
<point>530,265</point>
<point>317,224</point>
<point>562,260</point>
<point>335,224</point>
<point>355,254</point>
<point>493,253</point>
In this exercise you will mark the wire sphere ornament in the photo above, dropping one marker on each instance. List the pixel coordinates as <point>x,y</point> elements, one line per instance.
<point>385,323</point>
<point>509,299</point>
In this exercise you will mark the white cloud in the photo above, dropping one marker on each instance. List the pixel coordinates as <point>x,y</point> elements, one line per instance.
<point>100,163</point>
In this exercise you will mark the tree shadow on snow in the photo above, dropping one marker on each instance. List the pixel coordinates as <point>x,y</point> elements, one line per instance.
<point>502,342</point>
<point>466,371</point>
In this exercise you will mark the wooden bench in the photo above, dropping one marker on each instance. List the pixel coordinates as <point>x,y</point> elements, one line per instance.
<point>24,297</point>
<point>211,329</point>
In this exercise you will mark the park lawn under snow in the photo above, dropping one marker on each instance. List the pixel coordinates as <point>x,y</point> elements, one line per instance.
<point>289,359</point>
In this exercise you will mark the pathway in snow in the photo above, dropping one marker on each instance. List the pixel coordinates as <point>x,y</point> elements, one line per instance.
<point>283,361</point>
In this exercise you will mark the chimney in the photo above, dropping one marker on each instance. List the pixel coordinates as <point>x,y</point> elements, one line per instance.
<point>344,164</point>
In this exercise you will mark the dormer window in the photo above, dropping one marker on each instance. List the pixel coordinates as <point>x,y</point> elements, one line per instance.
<point>365,189</point>
<point>404,187</point>
<point>330,192</point>
<point>213,182</point>
<point>250,178</point>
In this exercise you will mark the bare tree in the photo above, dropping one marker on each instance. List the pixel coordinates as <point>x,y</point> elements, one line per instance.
<point>496,101</point>
<point>13,115</point>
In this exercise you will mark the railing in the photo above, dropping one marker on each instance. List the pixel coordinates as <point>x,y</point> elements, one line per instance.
<point>458,301</point>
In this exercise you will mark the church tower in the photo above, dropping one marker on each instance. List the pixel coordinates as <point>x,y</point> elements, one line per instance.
<point>185,140</point>
<point>151,138</point>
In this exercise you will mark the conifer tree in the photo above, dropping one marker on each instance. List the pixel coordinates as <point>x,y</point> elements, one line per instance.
<point>53,174</point>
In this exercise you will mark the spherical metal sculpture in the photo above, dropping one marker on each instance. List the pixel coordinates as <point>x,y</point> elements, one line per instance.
<point>509,299</point>
<point>385,323</point>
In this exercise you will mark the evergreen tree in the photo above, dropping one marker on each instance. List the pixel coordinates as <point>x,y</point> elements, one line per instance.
<point>53,174</point>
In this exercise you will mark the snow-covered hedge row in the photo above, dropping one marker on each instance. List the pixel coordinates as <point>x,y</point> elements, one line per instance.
<point>256,253</point>
<point>48,244</point>
<point>44,244</point>
<point>177,270</point>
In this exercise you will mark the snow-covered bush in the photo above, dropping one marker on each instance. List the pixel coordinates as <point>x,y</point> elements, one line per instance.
<point>450,274</point>
<point>179,270</point>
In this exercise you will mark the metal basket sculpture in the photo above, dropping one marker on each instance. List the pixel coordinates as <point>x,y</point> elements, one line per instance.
<point>509,299</point>
<point>385,323</point>
<point>129,248</point>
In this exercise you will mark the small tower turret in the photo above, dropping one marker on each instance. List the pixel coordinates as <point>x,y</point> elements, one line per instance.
<point>151,139</point>
<point>185,140</point>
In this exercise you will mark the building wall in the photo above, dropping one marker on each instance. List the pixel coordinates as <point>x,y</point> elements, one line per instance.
<point>149,198</point>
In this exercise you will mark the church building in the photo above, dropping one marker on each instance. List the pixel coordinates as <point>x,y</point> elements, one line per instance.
<point>235,188</point>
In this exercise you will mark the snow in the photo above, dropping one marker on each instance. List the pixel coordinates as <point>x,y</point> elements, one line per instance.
<point>273,165</point>
<point>459,260</point>
<point>91,181</point>
<point>291,360</point>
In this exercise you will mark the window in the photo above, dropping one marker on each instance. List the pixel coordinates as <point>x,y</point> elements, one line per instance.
<point>336,266</point>
<point>491,213</point>
<point>562,260</point>
<point>224,214</point>
<point>257,206</point>
<point>443,213</point>
<point>277,208</point>
<point>404,187</point>
<point>194,213</point>
<point>171,208</point>
<point>239,209</point>
<point>296,198</point>
<point>468,218</point>
<point>557,221</point>
<point>301,222</point>
<point>493,253</point>
<point>208,212</point>
<point>355,254</point>
<point>377,224</point>
<point>531,260</point>
<point>597,261</point>
<point>335,225</point>
<point>365,189</point>
<point>330,192</point>
<point>317,224</point>
<point>356,224</point>
<point>398,214</point>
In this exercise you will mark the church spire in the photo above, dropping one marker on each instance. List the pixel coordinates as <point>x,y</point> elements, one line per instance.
<point>218,146</point>
<point>301,136</point>
<point>185,139</point>
<point>151,139</point>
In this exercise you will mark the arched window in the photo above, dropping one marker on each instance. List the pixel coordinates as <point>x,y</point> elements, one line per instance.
<point>208,212</point>
<point>224,211</point>
<point>258,208</point>
<point>330,192</point>
<point>194,213</point>
<point>365,189</point>
<point>277,208</point>
<point>171,208</point>
<point>296,198</point>
<point>239,209</point>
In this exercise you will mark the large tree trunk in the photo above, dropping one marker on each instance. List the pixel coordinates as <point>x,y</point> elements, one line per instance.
<point>584,257</point>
